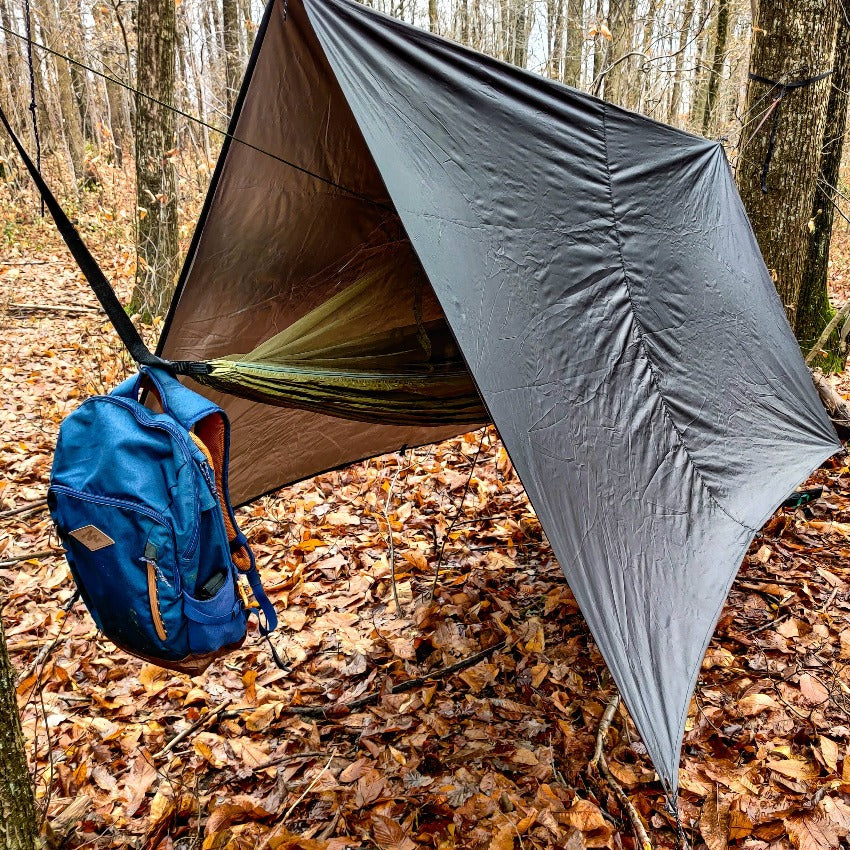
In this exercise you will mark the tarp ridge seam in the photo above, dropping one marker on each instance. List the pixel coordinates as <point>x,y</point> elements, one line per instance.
<point>639,331</point>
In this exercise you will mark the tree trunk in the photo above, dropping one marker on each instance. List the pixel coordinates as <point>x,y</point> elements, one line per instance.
<point>814,310</point>
<point>156,177</point>
<point>646,49</point>
<point>796,41</point>
<point>17,802</point>
<point>621,17</point>
<point>433,19</point>
<point>68,108</point>
<point>232,63</point>
<point>681,49</point>
<point>575,43</point>
<point>717,65</point>
<point>700,79</point>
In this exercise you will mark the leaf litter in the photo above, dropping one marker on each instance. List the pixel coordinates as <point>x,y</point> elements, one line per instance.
<point>491,755</point>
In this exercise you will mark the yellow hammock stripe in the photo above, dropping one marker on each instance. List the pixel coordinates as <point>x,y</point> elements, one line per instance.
<point>326,362</point>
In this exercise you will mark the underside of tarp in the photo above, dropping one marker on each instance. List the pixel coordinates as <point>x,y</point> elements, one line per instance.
<point>602,282</point>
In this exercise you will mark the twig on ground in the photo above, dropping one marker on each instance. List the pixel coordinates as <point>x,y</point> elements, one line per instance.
<point>604,726</point>
<point>401,687</point>
<point>23,509</point>
<point>200,722</point>
<point>390,542</point>
<point>33,556</point>
<point>48,647</point>
<point>599,761</point>
<point>49,308</point>
<point>309,788</point>
<point>454,521</point>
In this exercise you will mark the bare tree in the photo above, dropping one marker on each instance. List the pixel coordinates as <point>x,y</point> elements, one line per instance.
<point>780,155</point>
<point>18,829</point>
<point>156,178</point>
<point>813,309</point>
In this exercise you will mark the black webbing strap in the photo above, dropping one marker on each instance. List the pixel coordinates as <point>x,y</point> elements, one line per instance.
<point>94,275</point>
<point>784,88</point>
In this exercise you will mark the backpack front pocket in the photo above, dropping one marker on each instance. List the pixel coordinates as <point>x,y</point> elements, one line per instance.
<point>219,620</point>
<point>123,555</point>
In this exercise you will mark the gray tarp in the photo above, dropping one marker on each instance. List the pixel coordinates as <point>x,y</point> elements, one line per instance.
<point>604,286</point>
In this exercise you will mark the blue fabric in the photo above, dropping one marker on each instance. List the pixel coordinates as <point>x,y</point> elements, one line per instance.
<point>135,505</point>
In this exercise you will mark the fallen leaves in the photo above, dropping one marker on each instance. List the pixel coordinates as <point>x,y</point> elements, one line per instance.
<point>490,757</point>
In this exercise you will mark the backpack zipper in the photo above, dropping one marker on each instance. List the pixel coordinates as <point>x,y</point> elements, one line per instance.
<point>71,493</point>
<point>146,419</point>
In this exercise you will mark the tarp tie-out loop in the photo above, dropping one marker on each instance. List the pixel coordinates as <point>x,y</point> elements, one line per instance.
<point>783,89</point>
<point>94,274</point>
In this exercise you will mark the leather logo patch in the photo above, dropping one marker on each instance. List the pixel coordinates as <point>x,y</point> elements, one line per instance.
<point>92,537</point>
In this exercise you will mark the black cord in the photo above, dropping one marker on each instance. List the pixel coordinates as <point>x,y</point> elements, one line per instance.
<point>194,118</point>
<point>784,88</point>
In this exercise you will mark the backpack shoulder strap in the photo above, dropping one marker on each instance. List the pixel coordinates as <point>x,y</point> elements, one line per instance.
<point>179,402</point>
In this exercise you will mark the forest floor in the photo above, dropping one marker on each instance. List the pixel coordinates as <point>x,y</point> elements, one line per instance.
<point>494,756</point>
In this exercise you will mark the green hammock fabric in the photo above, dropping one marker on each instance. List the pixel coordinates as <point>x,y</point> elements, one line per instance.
<point>407,372</point>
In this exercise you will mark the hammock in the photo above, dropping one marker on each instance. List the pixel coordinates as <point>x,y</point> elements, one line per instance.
<point>410,374</point>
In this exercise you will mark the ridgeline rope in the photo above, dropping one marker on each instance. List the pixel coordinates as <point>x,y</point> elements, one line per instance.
<point>188,116</point>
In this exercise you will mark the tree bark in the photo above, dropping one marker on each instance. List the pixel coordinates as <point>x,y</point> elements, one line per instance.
<point>232,61</point>
<point>684,36</point>
<point>433,19</point>
<point>575,43</point>
<point>156,177</point>
<point>17,802</point>
<point>621,17</point>
<point>796,42</point>
<point>717,65</point>
<point>68,108</point>
<point>814,310</point>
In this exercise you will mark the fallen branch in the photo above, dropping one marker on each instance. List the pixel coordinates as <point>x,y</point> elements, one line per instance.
<point>400,688</point>
<point>56,831</point>
<point>201,721</point>
<point>599,761</point>
<point>49,308</point>
<point>390,542</point>
<point>34,556</point>
<point>836,406</point>
<point>309,788</point>
<point>604,726</point>
<point>817,348</point>
<point>33,506</point>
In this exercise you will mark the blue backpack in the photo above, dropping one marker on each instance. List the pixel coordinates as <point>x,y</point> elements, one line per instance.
<point>141,504</point>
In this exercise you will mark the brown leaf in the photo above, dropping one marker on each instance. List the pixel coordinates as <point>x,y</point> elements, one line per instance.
<point>586,817</point>
<point>503,839</point>
<point>829,751</point>
<point>140,778</point>
<point>478,677</point>
<point>754,704</point>
<point>794,768</point>
<point>211,748</point>
<point>262,717</point>
<point>740,825</point>
<point>389,834</point>
<point>370,787</point>
<point>238,810</point>
<point>812,690</point>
